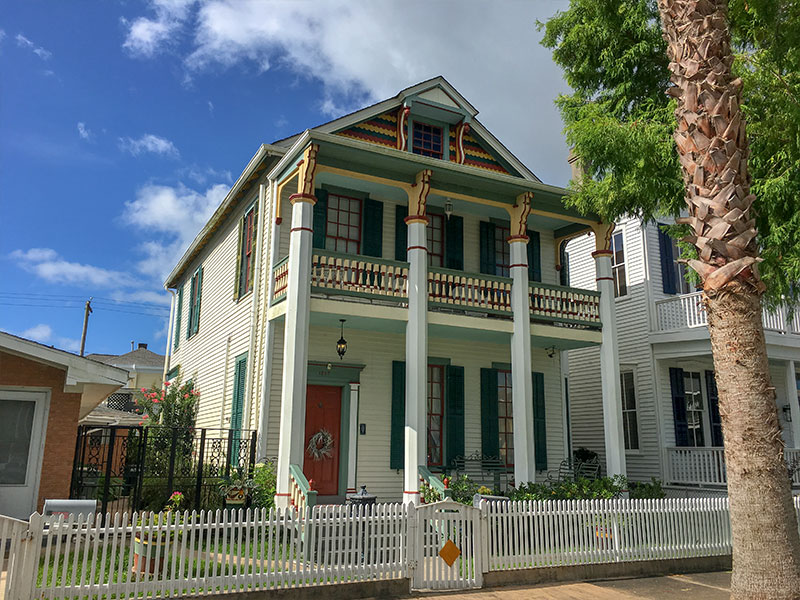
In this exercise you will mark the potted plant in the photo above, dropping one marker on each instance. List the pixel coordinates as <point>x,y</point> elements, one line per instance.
<point>236,490</point>
<point>147,538</point>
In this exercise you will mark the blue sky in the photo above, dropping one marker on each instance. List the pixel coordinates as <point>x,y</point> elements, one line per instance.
<point>124,123</point>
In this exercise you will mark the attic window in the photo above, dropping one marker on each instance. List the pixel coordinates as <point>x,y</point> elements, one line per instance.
<point>427,140</point>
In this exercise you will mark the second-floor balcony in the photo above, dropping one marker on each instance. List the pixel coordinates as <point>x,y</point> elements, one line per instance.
<point>687,312</point>
<point>349,277</point>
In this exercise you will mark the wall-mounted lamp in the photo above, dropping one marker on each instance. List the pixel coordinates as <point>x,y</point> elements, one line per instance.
<point>341,345</point>
<point>448,208</point>
<point>787,413</point>
<point>551,351</point>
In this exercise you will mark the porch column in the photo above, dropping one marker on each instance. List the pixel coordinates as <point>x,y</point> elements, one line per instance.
<point>609,354</point>
<point>416,338</point>
<point>352,450</point>
<point>792,399</point>
<point>295,350</point>
<point>521,383</point>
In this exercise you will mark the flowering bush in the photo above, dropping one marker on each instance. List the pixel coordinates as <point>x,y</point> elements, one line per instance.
<point>175,502</point>
<point>173,405</point>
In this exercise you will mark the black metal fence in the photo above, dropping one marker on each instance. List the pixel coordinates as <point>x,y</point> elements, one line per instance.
<point>138,468</point>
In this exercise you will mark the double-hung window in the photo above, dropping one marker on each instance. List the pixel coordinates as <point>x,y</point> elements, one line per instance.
<point>505,417</point>
<point>435,233</point>
<point>435,415</point>
<point>682,286</point>
<point>502,251</point>
<point>618,265</point>
<point>427,140</point>
<point>630,424</point>
<point>343,228</point>
<point>693,392</point>
<point>247,252</point>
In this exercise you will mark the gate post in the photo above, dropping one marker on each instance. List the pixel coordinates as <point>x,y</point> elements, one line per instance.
<point>109,461</point>
<point>171,472</point>
<point>137,498</point>
<point>200,456</point>
<point>483,535</point>
<point>30,544</point>
<point>76,465</point>
<point>412,545</point>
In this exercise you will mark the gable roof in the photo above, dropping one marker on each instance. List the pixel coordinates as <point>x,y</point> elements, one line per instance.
<point>435,89</point>
<point>136,359</point>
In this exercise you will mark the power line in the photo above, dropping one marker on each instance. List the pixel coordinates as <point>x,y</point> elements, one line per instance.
<point>164,313</point>
<point>68,298</point>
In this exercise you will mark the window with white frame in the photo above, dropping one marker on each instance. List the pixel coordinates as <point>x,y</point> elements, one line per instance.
<point>618,265</point>
<point>630,423</point>
<point>427,140</point>
<point>343,229</point>
<point>693,392</point>
<point>682,286</point>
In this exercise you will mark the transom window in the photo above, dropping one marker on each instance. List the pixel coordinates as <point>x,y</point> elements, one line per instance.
<point>427,140</point>
<point>502,251</point>
<point>630,425</point>
<point>343,229</point>
<point>435,414</point>
<point>693,393</point>
<point>682,286</point>
<point>618,265</point>
<point>505,417</point>
<point>435,231</point>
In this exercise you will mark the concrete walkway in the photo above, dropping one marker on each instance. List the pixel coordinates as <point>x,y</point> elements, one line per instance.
<point>709,586</point>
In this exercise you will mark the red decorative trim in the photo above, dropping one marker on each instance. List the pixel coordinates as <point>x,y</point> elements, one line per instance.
<point>417,248</point>
<point>278,220</point>
<point>604,279</point>
<point>303,198</point>
<point>518,265</point>
<point>406,492</point>
<point>293,229</point>
<point>518,238</point>
<point>282,495</point>
<point>417,219</point>
<point>597,253</point>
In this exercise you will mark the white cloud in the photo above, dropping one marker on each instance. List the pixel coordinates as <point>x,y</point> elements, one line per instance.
<point>84,131</point>
<point>149,143</point>
<point>210,107</point>
<point>47,264</point>
<point>24,42</point>
<point>367,51</point>
<point>43,334</point>
<point>147,35</point>
<point>175,214</point>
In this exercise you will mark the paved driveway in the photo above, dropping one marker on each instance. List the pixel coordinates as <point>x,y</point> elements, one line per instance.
<point>709,586</point>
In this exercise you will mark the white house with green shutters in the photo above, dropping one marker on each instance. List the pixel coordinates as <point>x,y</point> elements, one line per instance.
<point>670,412</point>
<point>409,231</point>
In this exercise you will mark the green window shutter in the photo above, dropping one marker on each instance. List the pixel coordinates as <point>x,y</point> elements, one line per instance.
<point>237,291</point>
<point>713,409</point>
<point>454,242</point>
<point>178,314</point>
<point>320,219</point>
<point>237,406</point>
<point>534,256</point>
<point>490,435</point>
<point>397,439</point>
<point>487,248</point>
<point>679,417</point>
<point>400,232</point>
<point>198,300</point>
<point>372,228</point>
<point>539,422</point>
<point>563,274</point>
<point>453,413</point>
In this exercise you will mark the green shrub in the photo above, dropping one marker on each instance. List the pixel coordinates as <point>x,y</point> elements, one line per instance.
<point>583,489</point>
<point>264,480</point>
<point>641,489</point>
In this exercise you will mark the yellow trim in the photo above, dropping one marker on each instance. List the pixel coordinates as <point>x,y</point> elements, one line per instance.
<point>567,218</point>
<point>279,192</point>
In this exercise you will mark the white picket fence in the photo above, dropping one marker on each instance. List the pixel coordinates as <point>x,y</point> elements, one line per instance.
<point>52,558</point>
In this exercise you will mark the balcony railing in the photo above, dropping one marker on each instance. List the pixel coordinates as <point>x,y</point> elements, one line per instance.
<point>338,274</point>
<point>706,466</point>
<point>687,311</point>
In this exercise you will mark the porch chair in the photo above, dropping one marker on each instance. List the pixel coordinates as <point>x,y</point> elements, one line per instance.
<point>487,471</point>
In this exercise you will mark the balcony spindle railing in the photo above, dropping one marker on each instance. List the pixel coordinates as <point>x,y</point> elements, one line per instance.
<point>281,274</point>
<point>468,290</point>
<point>706,466</point>
<point>342,273</point>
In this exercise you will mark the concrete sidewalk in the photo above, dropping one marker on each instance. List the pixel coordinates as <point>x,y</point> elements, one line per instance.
<point>709,586</point>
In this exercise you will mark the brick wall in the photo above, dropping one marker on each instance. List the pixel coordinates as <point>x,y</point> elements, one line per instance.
<point>62,421</point>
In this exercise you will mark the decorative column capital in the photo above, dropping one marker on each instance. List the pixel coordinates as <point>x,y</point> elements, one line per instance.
<point>418,196</point>
<point>602,238</point>
<point>518,230</point>
<point>307,168</point>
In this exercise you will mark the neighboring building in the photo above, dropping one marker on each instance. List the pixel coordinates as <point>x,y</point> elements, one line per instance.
<point>414,225</point>
<point>44,392</point>
<point>145,368</point>
<point>671,422</point>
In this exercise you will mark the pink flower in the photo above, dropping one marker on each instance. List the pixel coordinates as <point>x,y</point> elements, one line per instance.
<point>145,416</point>
<point>141,422</point>
<point>186,395</point>
<point>156,401</point>
<point>143,390</point>
<point>166,384</point>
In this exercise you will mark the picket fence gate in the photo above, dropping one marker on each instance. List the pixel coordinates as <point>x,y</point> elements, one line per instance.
<point>445,545</point>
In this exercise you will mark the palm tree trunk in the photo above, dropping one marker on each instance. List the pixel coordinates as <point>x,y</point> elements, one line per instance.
<point>713,150</point>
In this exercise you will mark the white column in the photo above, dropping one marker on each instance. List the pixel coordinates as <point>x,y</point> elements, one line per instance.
<point>521,383</point>
<point>609,367</point>
<point>352,450</point>
<point>295,347</point>
<point>792,399</point>
<point>416,357</point>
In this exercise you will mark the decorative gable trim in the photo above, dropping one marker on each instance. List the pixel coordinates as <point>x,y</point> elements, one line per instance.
<point>382,129</point>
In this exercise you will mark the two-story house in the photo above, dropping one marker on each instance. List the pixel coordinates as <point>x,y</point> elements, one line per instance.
<point>379,295</point>
<point>670,412</point>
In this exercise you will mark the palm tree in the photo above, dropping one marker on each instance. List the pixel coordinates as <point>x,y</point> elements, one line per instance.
<point>713,150</point>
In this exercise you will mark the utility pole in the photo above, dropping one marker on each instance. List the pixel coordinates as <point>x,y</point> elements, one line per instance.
<point>87,311</point>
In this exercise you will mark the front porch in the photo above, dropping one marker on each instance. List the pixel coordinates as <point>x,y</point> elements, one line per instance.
<point>705,467</point>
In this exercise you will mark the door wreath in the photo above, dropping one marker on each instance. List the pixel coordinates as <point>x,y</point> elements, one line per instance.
<point>320,445</point>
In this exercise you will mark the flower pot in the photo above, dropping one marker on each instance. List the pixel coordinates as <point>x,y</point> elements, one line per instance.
<point>141,566</point>
<point>236,497</point>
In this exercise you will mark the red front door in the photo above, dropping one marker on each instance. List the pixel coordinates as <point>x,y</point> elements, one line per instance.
<point>323,416</point>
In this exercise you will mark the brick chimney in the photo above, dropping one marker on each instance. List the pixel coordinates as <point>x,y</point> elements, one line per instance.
<point>142,346</point>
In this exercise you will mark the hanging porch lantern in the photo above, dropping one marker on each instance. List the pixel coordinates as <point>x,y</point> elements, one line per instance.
<point>341,345</point>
